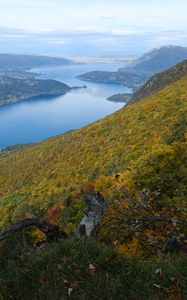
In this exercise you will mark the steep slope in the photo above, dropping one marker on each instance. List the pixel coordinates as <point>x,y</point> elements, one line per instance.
<point>159,81</point>
<point>160,59</point>
<point>137,159</point>
<point>154,84</point>
<point>45,174</point>
<point>14,89</point>
<point>14,148</point>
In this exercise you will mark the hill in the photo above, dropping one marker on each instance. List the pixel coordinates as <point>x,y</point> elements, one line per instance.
<point>159,81</point>
<point>154,84</point>
<point>48,170</point>
<point>137,159</point>
<point>159,59</point>
<point>136,73</point>
<point>25,62</point>
<point>14,89</point>
<point>129,79</point>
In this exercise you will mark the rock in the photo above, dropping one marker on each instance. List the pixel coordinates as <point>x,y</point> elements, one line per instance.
<point>171,245</point>
<point>95,206</point>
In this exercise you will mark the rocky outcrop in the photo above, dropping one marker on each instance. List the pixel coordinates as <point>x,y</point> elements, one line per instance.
<point>95,206</point>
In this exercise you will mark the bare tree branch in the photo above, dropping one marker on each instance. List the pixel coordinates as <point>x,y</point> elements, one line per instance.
<point>94,210</point>
<point>51,231</point>
<point>146,220</point>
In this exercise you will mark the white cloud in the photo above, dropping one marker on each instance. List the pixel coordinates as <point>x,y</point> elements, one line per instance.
<point>70,14</point>
<point>114,24</point>
<point>40,30</point>
<point>105,41</point>
<point>55,41</point>
<point>123,32</point>
<point>14,36</point>
<point>171,38</point>
<point>90,29</point>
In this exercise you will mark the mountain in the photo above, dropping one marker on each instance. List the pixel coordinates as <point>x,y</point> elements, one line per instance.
<point>26,62</point>
<point>17,66</point>
<point>159,59</point>
<point>159,81</point>
<point>136,158</point>
<point>14,89</point>
<point>95,153</point>
<point>154,84</point>
<point>136,73</point>
<point>129,79</point>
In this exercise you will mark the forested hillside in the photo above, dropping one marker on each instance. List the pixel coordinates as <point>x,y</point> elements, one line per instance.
<point>159,81</point>
<point>136,158</point>
<point>154,84</point>
<point>14,89</point>
<point>38,177</point>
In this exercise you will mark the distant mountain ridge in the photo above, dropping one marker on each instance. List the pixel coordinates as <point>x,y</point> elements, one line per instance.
<point>154,84</point>
<point>25,62</point>
<point>129,79</point>
<point>159,59</point>
<point>135,75</point>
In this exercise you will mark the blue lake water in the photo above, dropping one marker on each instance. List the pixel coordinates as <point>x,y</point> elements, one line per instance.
<point>41,117</point>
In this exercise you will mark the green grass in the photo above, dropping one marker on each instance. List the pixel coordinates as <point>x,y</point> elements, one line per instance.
<point>42,275</point>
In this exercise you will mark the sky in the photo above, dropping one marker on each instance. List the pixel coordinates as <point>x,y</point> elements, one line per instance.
<point>70,27</point>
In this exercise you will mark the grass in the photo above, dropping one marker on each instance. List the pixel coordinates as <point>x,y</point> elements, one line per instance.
<point>43,274</point>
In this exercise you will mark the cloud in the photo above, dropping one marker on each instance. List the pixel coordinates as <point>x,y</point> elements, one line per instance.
<point>96,25</point>
<point>14,36</point>
<point>171,37</point>
<point>40,31</point>
<point>90,29</point>
<point>55,41</point>
<point>104,41</point>
<point>124,32</point>
<point>109,15</point>
<point>26,4</point>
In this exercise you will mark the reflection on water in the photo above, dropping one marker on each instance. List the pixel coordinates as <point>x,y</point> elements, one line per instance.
<point>45,116</point>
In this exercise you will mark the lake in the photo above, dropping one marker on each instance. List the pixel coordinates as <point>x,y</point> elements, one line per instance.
<point>38,118</point>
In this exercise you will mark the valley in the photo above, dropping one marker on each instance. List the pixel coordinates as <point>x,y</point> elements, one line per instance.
<point>139,70</point>
<point>125,173</point>
<point>93,150</point>
<point>44,116</point>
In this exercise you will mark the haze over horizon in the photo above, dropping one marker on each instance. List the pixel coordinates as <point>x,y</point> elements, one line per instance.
<point>72,27</point>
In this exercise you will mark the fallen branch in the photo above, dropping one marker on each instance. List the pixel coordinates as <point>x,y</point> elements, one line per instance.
<point>51,231</point>
<point>162,219</point>
<point>146,220</point>
<point>93,213</point>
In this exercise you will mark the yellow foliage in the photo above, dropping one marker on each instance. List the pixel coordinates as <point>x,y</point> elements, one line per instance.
<point>129,250</point>
<point>89,158</point>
